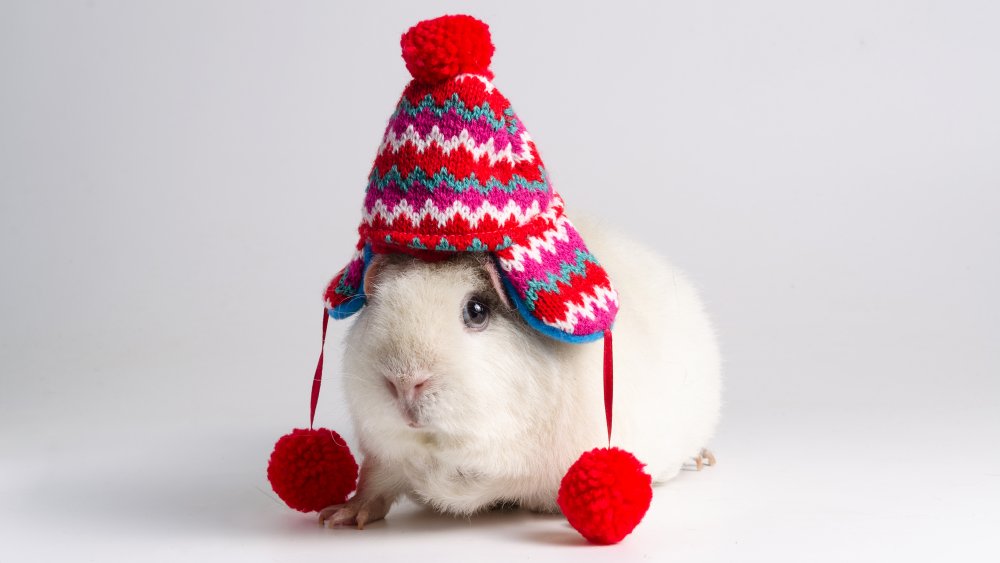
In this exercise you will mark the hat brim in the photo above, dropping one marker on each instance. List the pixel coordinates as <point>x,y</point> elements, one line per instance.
<point>556,284</point>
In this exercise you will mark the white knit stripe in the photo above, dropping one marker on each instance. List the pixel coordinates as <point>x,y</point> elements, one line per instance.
<point>486,81</point>
<point>417,215</point>
<point>601,297</point>
<point>534,247</point>
<point>513,260</point>
<point>463,139</point>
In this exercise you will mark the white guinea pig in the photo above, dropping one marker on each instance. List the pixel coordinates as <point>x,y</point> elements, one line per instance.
<point>459,404</point>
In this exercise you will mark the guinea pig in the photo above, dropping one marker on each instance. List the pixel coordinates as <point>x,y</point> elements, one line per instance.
<point>461,405</point>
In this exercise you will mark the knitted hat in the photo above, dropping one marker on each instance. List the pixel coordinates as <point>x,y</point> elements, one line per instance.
<point>457,171</point>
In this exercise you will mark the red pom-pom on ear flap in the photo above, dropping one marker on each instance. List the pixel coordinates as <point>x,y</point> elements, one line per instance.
<point>605,494</point>
<point>442,48</point>
<point>311,469</point>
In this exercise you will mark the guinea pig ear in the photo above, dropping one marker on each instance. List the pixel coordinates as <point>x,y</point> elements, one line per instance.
<point>372,272</point>
<point>493,274</point>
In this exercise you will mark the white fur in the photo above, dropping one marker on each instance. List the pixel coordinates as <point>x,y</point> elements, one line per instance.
<point>506,411</point>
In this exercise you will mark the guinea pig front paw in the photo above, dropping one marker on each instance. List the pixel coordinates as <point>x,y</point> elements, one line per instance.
<point>358,512</point>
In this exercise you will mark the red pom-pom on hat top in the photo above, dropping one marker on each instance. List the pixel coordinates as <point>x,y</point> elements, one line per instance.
<point>311,469</point>
<point>605,494</point>
<point>442,48</point>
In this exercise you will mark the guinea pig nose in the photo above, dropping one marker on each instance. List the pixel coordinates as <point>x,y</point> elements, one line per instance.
<point>412,387</point>
<point>407,388</point>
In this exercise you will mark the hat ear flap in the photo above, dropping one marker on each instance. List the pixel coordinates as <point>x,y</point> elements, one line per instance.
<point>556,284</point>
<point>345,293</point>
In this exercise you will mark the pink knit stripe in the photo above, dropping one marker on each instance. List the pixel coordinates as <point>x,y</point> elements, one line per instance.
<point>444,197</point>
<point>601,321</point>
<point>452,125</point>
<point>551,262</point>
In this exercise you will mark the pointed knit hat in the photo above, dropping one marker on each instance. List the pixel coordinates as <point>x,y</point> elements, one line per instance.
<point>457,171</point>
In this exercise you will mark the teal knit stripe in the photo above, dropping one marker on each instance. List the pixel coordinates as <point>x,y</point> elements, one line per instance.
<point>445,245</point>
<point>461,109</point>
<point>476,246</point>
<point>344,287</point>
<point>418,176</point>
<point>550,284</point>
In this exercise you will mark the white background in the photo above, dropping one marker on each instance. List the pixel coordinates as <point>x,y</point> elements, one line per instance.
<point>178,181</point>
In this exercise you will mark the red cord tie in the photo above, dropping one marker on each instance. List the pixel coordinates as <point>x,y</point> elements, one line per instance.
<point>318,378</point>
<point>609,384</point>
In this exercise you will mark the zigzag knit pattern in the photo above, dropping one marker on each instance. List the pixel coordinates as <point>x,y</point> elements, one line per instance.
<point>457,171</point>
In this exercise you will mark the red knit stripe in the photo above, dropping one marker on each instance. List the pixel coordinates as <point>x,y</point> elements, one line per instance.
<point>459,162</point>
<point>551,306</point>
<point>472,92</point>
<point>490,237</point>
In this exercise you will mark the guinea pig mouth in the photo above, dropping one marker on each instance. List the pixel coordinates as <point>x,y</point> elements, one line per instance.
<point>411,414</point>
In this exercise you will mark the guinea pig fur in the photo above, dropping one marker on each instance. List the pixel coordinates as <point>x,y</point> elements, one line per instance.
<point>464,417</point>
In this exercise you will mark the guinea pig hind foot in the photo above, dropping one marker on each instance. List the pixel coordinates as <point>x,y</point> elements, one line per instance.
<point>704,457</point>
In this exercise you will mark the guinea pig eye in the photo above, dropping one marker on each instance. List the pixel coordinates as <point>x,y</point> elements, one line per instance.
<point>476,314</point>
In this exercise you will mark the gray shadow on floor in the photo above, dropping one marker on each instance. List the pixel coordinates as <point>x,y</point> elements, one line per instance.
<point>159,499</point>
